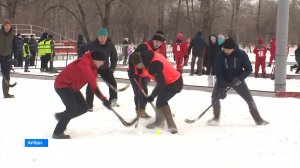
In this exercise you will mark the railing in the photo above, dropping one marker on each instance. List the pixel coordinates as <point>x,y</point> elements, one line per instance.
<point>33,29</point>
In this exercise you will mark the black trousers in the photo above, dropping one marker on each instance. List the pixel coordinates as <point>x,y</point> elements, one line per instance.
<point>75,106</point>
<point>32,58</point>
<point>108,76</point>
<point>170,91</point>
<point>139,99</point>
<point>244,92</point>
<point>20,58</point>
<point>5,66</point>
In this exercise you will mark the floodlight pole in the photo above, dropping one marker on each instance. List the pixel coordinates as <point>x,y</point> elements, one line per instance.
<point>281,44</point>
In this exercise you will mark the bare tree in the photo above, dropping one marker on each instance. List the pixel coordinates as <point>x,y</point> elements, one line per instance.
<point>105,12</point>
<point>257,20</point>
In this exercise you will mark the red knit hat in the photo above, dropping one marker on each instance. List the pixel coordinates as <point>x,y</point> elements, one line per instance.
<point>260,41</point>
<point>179,36</point>
<point>299,44</point>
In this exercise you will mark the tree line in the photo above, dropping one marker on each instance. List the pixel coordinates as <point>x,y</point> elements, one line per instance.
<point>244,20</point>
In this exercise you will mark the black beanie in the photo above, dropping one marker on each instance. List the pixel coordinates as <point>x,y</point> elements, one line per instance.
<point>229,43</point>
<point>98,55</point>
<point>158,37</point>
<point>136,58</point>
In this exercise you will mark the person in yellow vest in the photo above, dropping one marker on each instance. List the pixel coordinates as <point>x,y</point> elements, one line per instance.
<point>49,51</point>
<point>26,54</point>
<point>41,50</point>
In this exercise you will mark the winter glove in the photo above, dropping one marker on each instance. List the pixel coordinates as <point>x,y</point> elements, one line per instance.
<point>235,82</point>
<point>150,99</point>
<point>106,103</point>
<point>222,93</point>
<point>140,71</point>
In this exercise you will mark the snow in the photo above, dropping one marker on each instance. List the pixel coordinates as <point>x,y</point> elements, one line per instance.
<point>100,140</point>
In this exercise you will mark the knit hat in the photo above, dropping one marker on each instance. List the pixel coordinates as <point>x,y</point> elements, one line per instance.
<point>229,43</point>
<point>260,41</point>
<point>6,21</point>
<point>136,58</point>
<point>158,37</point>
<point>99,55</point>
<point>299,44</point>
<point>221,39</point>
<point>102,32</point>
<point>179,36</point>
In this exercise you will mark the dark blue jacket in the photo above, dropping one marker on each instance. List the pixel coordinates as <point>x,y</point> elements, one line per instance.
<point>235,65</point>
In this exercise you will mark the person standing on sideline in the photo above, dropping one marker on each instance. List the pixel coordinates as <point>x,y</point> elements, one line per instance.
<point>107,70</point>
<point>198,46</point>
<point>125,50</point>
<point>41,51</point>
<point>141,75</point>
<point>297,58</point>
<point>272,51</point>
<point>7,47</point>
<point>179,52</point>
<point>168,83</point>
<point>33,50</point>
<point>210,59</point>
<point>19,43</point>
<point>187,56</point>
<point>80,42</point>
<point>233,66</point>
<point>26,54</point>
<point>68,84</point>
<point>260,58</point>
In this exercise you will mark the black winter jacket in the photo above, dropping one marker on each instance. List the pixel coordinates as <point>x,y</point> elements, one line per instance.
<point>235,65</point>
<point>108,48</point>
<point>198,45</point>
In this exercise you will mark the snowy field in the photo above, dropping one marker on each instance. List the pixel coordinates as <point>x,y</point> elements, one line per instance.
<point>100,140</point>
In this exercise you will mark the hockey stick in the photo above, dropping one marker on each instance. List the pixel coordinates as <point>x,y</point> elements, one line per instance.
<point>116,89</point>
<point>9,85</point>
<point>125,123</point>
<point>196,119</point>
<point>144,93</point>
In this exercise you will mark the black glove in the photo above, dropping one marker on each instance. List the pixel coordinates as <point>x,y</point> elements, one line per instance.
<point>235,82</point>
<point>222,93</point>
<point>106,103</point>
<point>140,71</point>
<point>150,99</point>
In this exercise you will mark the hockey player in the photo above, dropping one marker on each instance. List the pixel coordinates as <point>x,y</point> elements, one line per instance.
<point>260,58</point>
<point>107,71</point>
<point>141,75</point>
<point>68,84</point>
<point>179,52</point>
<point>272,51</point>
<point>210,59</point>
<point>187,56</point>
<point>169,83</point>
<point>233,66</point>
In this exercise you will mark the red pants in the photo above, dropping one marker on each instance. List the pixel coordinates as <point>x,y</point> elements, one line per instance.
<point>260,62</point>
<point>179,63</point>
<point>272,56</point>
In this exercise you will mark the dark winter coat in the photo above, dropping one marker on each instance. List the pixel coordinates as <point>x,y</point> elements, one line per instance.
<point>80,43</point>
<point>297,55</point>
<point>198,45</point>
<point>19,43</point>
<point>210,56</point>
<point>33,44</point>
<point>235,65</point>
<point>7,42</point>
<point>108,48</point>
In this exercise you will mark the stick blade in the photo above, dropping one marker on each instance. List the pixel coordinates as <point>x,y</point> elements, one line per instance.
<point>189,121</point>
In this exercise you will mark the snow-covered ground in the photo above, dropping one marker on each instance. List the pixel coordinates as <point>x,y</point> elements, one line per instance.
<point>100,140</point>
